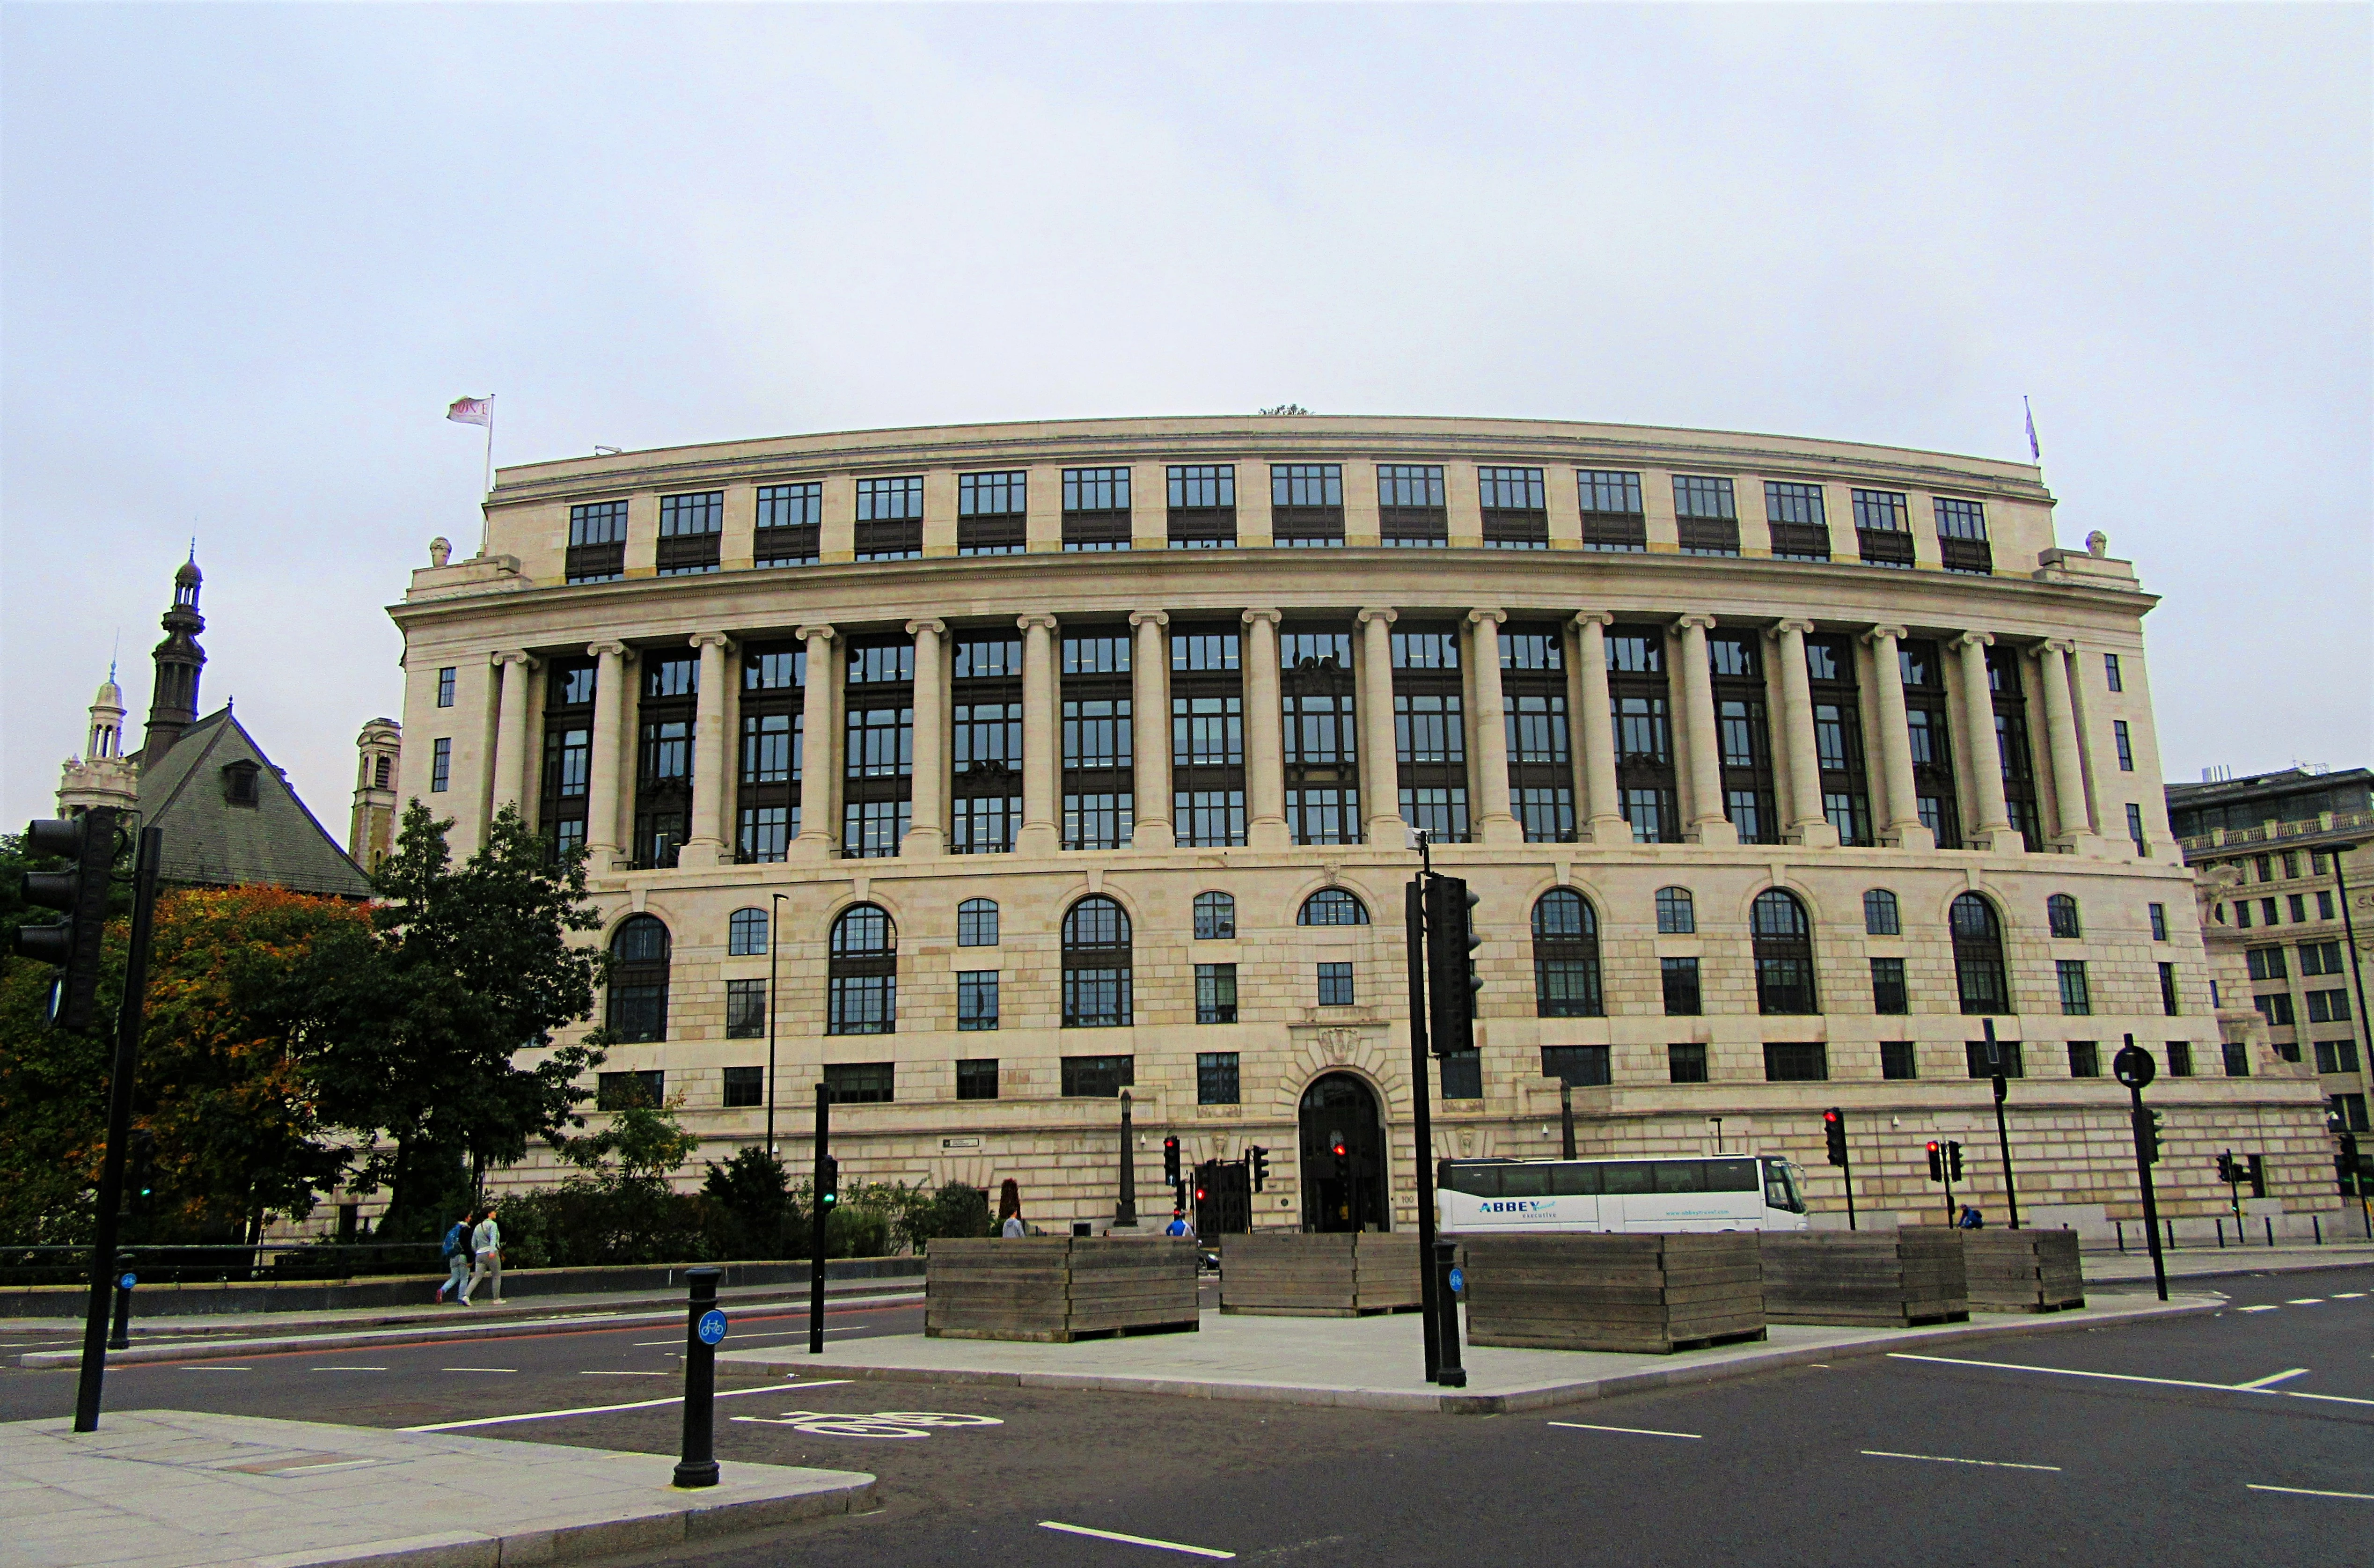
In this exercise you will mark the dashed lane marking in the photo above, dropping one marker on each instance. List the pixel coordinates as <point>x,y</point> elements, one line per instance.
<point>2346,1295</point>
<point>1947,1459</point>
<point>1635,1431</point>
<point>348,1369</point>
<point>606,1409</point>
<point>2272,1378</point>
<point>1134,1541</point>
<point>2259,1309</point>
<point>625,1374</point>
<point>2130,1378</point>
<point>217,1369</point>
<point>2305,1301</point>
<point>2311,1491</point>
<point>478,1369</point>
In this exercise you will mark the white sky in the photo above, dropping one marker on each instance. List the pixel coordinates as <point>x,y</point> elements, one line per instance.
<point>248,256</point>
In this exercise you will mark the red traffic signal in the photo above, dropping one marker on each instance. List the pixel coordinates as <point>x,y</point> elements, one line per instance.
<point>1341,1149</point>
<point>1936,1161</point>
<point>1833,1135</point>
<point>1199,1194</point>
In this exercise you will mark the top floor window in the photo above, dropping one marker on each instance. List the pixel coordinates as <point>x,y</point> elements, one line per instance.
<point>1203,484</point>
<point>1961,519</point>
<point>1409,484</point>
<point>790,525</point>
<point>987,495</point>
<point>1096,490</point>
<point>1800,529</point>
<point>684,515</point>
<point>889,501</point>
<point>2110,676</point>
<point>1306,484</point>
<point>1882,512</point>
<point>1611,511</point>
<point>1410,505</point>
<point>1513,514</point>
<point>1705,515</point>
<point>598,522</point>
<point>1203,497</point>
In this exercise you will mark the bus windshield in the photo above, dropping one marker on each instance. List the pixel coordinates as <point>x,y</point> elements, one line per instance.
<point>1781,1189</point>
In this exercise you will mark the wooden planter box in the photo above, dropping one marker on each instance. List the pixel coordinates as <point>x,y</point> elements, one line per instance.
<point>1289,1274</point>
<point>2023,1270</point>
<point>1867,1278</point>
<point>1057,1289</point>
<point>1656,1294</point>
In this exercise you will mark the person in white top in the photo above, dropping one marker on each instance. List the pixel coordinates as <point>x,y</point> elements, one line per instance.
<point>1014,1226</point>
<point>487,1241</point>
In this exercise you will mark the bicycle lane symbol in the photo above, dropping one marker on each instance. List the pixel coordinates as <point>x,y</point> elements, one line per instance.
<point>880,1423</point>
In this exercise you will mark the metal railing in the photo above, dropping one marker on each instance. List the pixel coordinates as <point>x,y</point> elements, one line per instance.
<point>2274,833</point>
<point>269,1262</point>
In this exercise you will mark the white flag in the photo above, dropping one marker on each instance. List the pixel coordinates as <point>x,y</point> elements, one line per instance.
<point>472,411</point>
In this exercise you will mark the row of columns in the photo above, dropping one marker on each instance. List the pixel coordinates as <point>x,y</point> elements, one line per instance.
<point>1600,809</point>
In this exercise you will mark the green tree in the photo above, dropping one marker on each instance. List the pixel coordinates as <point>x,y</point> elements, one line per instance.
<point>752,1193</point>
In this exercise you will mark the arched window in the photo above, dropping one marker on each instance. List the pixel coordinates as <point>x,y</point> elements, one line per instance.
<point>1978,956</point>
<point>977,923</point>
<point>1216,917</point>
<point>639,979</point>
<point>1096,966</point>
<point>381,769</point>
<point>746,933</point>
<point>1333,907</point>
<point>864,968</point>
<point>1676,915</point>
<point>1784,953</point>
<point>2060,914</point>
<point>1566,956</point>
<point>1879,914</point>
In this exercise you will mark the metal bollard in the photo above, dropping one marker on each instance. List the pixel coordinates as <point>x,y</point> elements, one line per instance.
<point>704,1326</point>
<point>2271,1228</point>
<point>120,1339</point>
<point>1450,1374</point>
<point>2122,1234</point>
<point>2221,1233</point>
<point>2318,1221</point>
<point>2171,1235</point>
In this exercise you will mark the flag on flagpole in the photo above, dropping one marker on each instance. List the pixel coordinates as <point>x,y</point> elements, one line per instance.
<point>471,411</point>
<point>2034,452</point>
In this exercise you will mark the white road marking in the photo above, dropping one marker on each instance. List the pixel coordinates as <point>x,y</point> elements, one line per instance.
<point>2311,1491</point>
<point>625,1374</point>
<point>1133,1540</point>
<point>1944,1459</point>
<point>2305,1301</point>
<point>478,1369</point>
<point>2346,1295</point>
<point>217,1369</point>
<point>2130,1377</point>
<point>606,1409</point>
<point>348,1369</point>
<point>1635,1431</point>
<point>2259,1309</point>
<point>2272,1377</point>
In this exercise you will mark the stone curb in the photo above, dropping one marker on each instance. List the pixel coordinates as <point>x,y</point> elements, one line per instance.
<point>1580,1392</point>
<point>232,1349</point>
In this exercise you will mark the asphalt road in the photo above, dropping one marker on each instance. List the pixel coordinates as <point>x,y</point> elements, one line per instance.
<point>1881,1460</point>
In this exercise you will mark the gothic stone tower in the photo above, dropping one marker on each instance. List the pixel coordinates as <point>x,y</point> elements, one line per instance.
<point>173,704</point>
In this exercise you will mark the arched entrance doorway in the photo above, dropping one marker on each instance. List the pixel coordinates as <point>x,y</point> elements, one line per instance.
<point>1338,1105</point>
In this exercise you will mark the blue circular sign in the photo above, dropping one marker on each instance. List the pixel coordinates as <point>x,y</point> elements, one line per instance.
<point>712,1327</point>
<point>129,1280</point>
<point>1458,1280</point>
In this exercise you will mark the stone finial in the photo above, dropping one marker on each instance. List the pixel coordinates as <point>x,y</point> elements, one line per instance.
<point>440,550</point>
<point>2097,542</point>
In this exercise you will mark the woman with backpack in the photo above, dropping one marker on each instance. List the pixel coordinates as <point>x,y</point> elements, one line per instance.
<point>457,1258</point>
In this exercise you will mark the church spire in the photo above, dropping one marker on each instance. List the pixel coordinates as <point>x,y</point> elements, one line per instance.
<point>173,701</point>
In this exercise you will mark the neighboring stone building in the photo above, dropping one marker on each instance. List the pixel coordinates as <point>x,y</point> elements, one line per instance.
<point>371,832</point>
<point>1770,807</point>
<point>2287,900</point>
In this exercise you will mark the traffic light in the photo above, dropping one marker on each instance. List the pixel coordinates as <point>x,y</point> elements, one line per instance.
<point>1953,1161</point>
<point>140,1173</point>
<point>1343,1152</point>
<point>1936,1161</point>
<point>1452,982</point>
<point>2346,1163</point>
<point>88,843</point>
<point>2228,1170</point>
<point>1171,1160</point>
<point>2151,1137</point>
<point>1834,1132</point>
<point>828,1183</point>
<point>1260,1166</point>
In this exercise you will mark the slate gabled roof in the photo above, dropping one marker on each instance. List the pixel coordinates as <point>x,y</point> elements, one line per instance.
<point>211,843</point>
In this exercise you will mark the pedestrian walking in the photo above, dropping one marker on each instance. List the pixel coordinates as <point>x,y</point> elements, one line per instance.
<point>1177,1226</point>
<point>457,1258</point>
<point>1010,1209</point>
<point>487,1241</point>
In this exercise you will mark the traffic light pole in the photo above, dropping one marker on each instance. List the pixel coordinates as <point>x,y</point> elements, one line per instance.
<point>129,1022</point>
<point>816,1202</point>
<point>2134,1067</point>
<point>1422,1118</point>
<point>2003,1144</point>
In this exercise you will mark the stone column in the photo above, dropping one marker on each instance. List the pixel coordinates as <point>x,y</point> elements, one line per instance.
<point>2076,822</point>
<point>1265,729</point>
<point>1487,736</point>
<point>1602,808</point>
<point>1380,774</point>
<point>1979,747</point>
<point>1901,798</point>
<point>1707,822</point>
<point>820,749</point>
<point>1042,829</point>
<point>1807,825</point>
<point>928,790</point>
<point>1149,685</point>
<point>613,660</point>
<point>704,844</point>
<point>514,671</point>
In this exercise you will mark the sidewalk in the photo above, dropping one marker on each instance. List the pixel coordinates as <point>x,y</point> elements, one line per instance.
<point>173,1489</point>
<point>1376,1362</point>
<point>2198,1262</point>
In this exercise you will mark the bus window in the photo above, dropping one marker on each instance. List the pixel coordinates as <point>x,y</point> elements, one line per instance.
<point>1681,1175</point>
<point>1781,1188</point>
<point>1574,1181</point>
<point>1731,1175</point>
<point>1625,1178</point>
<point>1524,1181</point>
<point>1476,1181</point>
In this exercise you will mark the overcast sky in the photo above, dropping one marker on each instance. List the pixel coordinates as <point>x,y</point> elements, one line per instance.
<point>250,255</point>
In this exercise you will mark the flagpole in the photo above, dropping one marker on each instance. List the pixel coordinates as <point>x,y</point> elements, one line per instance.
<point>483,520</point>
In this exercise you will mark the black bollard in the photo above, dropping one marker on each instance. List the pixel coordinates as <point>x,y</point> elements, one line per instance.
<point>1450,1374</point>
<point>699,1465</point>
<point>122,1338</point>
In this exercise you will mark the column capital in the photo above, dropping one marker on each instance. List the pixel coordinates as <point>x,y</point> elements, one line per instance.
<point>1037,620</point>
<point>1386,615</point>
<point>1879,635</point>
<point>502,656</point>
<point>711,640</point>
<point>2064,645</point>
<point>1788,623</point>
<point>1693,621</point>
<point>1150,617</point>
<point>1479,616</point>
<point>815,633</point>
<point>615,650</point>
<point>1975,640</point>
<point>936,628</point>
<point>1594,618</point>
<point>1254,616</point>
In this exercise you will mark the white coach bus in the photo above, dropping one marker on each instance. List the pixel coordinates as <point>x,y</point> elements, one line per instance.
<point>1723,1192</point>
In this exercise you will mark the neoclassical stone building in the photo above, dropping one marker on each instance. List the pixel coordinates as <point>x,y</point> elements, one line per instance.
<point>1038,760</point>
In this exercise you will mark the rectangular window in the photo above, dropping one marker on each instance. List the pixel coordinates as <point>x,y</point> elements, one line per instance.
<point>2076,1000</point>
<point>1681,979</point>
<point>1888,996</point>
<point>745,1010</point>
<point>1216,1077</point>
<point>1306,504</point>
<point>863,1004</point>
<point>861,1083</point>
<point>2328,1007</point>
<point>2167,989</point>
<point>2267,964</point>
<point>2180,1058</point>
<point>1637,697</point>
<point>890,519</point>
<point>2351,1110</point>
<point>1985,1058</point>
<point>1883,529</point>
<point>2275,1007</point>
<point>1207,739</point>
<point>1796,1061</point>
<point>2135,829</point>
<point>1463,1075</point>
<point>976,999</point>
<point>2111,672</point>
<point>598,542</point>
<point>1216,992</point>
<point>2126,748</point>
<point>1203,513</point>
<point>1335,986</point>
<point>744,1087</point>
<point>619,1092</point>
<point>2158,922</point>
<point>2324,906</point>
<point>1410,509</point>
<point>440,766</point>
<point>976,1077</point>
<point>691,532</point>
<point>2336,1056</point>
<point>1962,536</point>
<point>445,687</point>
<point>2084,1059</point>
<point>791,525</point>
<point>1706,514</point>
<point>2298,903</point>
<point>1515,514</point>
<point>1098,1077</point>
<point>1096,509</point>
<point>990,512</point>
<point>2267,912</point>
<point>1898,1059</point>
<point>1583,1066</point>
<point>1800,529</point>
<point>1687,1063</point>
<point>1431,733</point>
<point>2319,958</point>
<point>2238,1058</point>
<point>1612,518</point>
